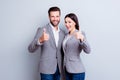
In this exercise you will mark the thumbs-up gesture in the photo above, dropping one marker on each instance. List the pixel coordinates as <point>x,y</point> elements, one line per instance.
<point>79,35</point>
<point>44,37</point>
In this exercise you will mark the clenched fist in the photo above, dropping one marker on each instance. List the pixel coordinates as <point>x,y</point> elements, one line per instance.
<point>79,35</point>
<point>44,37</point>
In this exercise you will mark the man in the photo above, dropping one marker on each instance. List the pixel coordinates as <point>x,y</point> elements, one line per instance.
<point>49,39</point>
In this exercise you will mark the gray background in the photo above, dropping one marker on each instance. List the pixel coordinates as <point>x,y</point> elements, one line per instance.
<point>19,20</point>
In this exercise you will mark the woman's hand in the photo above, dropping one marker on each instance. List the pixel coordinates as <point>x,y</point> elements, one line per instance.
<point>79,35</point>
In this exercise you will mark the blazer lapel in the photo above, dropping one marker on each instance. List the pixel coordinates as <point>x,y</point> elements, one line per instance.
<point>60,38</point>
<point>52,39</point>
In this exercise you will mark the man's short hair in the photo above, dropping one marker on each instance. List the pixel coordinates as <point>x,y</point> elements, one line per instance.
<point>54,9</point>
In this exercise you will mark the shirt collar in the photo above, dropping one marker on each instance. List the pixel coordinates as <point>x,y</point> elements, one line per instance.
<point>54,28</point>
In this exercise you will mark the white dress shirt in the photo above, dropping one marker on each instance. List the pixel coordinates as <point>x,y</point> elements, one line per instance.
<point>56,34</point>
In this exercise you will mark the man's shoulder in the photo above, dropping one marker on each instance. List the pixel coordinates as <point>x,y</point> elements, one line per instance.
<point>62,30</point>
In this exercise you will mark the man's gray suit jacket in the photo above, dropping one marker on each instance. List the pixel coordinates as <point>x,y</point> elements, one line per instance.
<point>50,55</point>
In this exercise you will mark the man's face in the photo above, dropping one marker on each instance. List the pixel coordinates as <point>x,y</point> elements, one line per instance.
<point>54,18</point>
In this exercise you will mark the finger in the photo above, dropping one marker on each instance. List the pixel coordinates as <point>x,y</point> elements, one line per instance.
<point>46,37</point>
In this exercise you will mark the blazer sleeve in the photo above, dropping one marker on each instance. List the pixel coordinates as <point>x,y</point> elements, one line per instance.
<point>34,44</point>
<point>85,45</point>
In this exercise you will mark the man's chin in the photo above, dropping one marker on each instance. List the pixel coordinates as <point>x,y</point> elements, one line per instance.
<point>55,24</point>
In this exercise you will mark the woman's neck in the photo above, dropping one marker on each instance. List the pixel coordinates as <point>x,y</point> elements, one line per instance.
<point>72,31</point>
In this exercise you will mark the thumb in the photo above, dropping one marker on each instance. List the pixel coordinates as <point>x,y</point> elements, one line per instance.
<point>79,30</point>
<point>44,30</point>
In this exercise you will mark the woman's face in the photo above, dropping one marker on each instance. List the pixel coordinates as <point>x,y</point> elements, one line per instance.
<point>70,24</point>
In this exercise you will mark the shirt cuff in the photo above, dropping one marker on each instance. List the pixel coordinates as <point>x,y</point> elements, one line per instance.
<point>38,43</point>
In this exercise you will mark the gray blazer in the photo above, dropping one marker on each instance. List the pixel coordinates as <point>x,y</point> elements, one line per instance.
<point>72,48</point>
<point>50,55</point>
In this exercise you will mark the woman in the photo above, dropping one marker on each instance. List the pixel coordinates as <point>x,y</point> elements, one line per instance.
<point>73,44</point>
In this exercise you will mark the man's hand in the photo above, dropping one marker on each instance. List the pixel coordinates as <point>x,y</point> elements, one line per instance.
<point>44,37</point>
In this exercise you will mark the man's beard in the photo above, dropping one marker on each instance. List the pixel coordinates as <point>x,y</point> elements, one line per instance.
<point>54,24</point>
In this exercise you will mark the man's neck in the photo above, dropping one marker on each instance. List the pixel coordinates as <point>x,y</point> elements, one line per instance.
<point>54,27</point>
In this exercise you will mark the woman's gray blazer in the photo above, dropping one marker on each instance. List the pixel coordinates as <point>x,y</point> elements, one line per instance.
<point>72,48</point>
